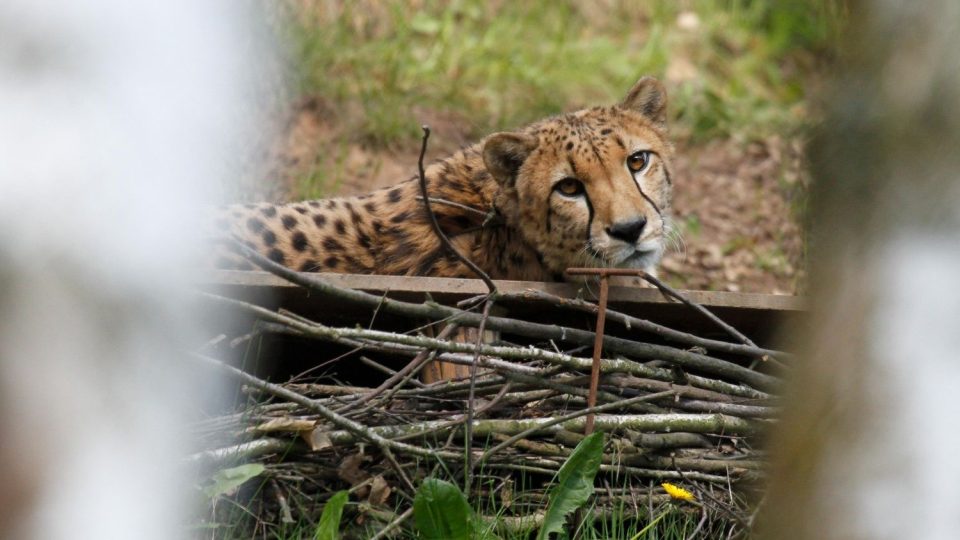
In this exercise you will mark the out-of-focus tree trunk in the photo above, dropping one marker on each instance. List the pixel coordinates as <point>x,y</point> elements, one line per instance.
<point>870,446</point>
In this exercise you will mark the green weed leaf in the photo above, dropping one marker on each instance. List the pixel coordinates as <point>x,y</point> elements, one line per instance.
<point>441,512</point>
<point>329,527</point>
<point>574,484</point>
<point>226,481</point>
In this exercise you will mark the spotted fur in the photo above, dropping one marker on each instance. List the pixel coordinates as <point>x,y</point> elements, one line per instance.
<point>527,222</point>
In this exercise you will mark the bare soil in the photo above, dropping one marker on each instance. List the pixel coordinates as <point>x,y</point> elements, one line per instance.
<point>737,205</point>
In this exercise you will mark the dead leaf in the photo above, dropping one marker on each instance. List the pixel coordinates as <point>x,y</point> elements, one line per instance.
<point>506,493</point>
<point>379,491</point>
<point>350,469</point>
<point>318,439</point>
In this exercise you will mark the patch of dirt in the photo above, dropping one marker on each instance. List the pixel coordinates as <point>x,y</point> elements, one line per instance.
<point>316,144</point>
<point>738,208</point>
<point>736,205</point>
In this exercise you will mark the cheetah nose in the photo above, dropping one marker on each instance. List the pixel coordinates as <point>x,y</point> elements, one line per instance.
<point>628,231</point>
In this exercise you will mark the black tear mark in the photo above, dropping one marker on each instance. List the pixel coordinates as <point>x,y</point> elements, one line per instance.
<point>586,197</point>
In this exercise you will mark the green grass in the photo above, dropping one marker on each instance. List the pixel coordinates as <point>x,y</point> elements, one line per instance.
<point>241,516</point>
<point>740,71</point>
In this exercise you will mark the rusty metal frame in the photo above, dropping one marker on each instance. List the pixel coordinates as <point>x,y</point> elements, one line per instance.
<point>604,274</point>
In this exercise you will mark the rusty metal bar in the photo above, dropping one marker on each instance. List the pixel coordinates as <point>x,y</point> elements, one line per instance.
<point>604,274</point>
<point>597,350</point>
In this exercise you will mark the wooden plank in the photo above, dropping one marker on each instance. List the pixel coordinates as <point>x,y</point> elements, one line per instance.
<point>758,316</point>
<point>464,288</point>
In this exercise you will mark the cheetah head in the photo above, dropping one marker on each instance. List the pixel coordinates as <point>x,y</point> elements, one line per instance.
<point>590,188</point>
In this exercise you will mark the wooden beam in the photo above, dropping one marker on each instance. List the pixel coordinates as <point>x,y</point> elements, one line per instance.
<point>464,288</point>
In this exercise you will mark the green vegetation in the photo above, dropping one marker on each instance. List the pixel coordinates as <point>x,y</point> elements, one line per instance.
<point>734,67</point>
<point>441,511</point>
<point>329,527</point>
<point>574,484</point>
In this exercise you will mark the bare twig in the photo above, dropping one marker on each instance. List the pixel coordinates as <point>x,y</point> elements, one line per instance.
<point>385,532</point>
<point>703,521</point>
<point>561,419</point>
<point>411,367</point>
<point>240,451</point>
<point>636,323</point>
<point>436,226</point>
<point>468,425</point>
<point>685,359</point>
<point>452,204</point>
<point>669,291</point>
<point>352,427</point>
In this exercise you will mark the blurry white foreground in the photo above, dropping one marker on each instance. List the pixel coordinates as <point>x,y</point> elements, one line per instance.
<point>868,447</point>
<point>116,120</point>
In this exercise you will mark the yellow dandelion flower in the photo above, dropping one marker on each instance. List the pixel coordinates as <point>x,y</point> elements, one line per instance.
<point>678,492</point>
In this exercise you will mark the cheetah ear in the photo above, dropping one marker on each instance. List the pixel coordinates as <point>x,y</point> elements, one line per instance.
<point>504,153</point>
<point>649,98</point>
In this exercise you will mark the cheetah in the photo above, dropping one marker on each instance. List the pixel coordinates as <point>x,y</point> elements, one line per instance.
<point>587,188</point>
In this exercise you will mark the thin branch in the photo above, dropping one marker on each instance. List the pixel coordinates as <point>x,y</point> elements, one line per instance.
<point>354,428</point>
<point>445,202</point>
<point>468,425</point>
<point>561,419</point>
<point>385,532</point>
<point>432,310</point>
<point>412,366</point>
<point>671,422</point>
<point>491,287</point>
<point>245,450</point>
<point>569,362</point>
<point>703,521</point>
<point>669,291</point>
<point>631,322</point>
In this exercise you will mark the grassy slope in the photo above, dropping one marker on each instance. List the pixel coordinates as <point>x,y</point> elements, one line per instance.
<point>734,67</point>
<point>739,73</point>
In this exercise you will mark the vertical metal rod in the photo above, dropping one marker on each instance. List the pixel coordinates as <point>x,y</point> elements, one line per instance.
<point>597,349</point>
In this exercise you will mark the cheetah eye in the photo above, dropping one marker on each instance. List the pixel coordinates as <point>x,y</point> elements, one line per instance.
<point>638,161</point>
<point>570,187</point>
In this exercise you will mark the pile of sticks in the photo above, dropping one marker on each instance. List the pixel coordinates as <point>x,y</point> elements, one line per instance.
<point>672,413</point>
